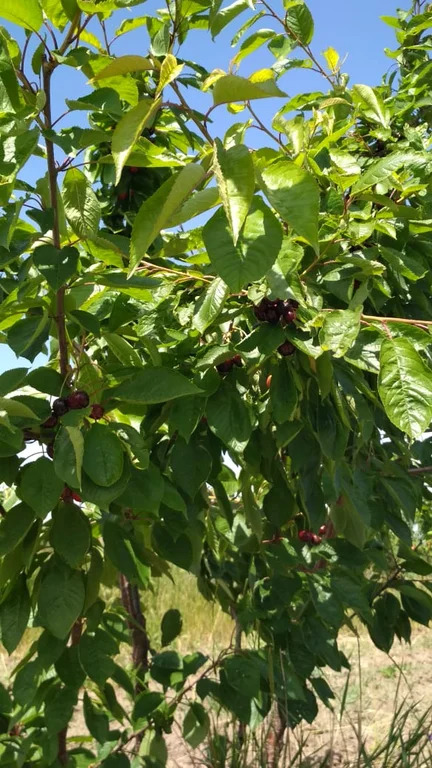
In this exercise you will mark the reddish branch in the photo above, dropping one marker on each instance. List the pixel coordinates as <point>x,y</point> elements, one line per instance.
<point>137,626</point>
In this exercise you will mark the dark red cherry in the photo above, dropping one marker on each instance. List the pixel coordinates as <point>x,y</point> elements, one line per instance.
<point>51,422</point>
<point>78,399</point>
<point>60,406</point>
<point>286,349</point>
<point>97,411</point>
<point>225,367</point>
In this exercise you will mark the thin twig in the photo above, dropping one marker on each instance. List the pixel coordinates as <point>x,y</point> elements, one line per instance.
<point>190,112</point>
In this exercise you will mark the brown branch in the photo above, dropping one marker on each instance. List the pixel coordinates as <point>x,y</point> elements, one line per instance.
<point>190,113</point>
<point>48,69</point>
<point>420,470</point>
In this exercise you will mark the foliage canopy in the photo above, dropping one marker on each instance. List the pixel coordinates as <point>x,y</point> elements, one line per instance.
<point>237,373</point>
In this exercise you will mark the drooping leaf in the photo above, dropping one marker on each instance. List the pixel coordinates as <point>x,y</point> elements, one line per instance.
<point>70,534</point>
<point>171,626</point>
<point>256,249</point>
<point>68,455</point>
<point>158,209</point>
<point>39,486</point>
<point>103,456</point>
<point>294,193</point>
<point>14,527</point>
<point>405,386</point>
<point>209,308</point>
<point>14,614</point>
<point>61,599</point>
<point>57,266</point>
<point>235,174</point>
<point>128,130</point>
<point>340,330</point>
<point>81,205</point>
<point>299,22</point>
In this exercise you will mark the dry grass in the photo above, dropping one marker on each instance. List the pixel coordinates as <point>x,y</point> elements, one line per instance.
<point>367,698</point>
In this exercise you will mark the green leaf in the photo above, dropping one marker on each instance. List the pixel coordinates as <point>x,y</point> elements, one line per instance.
<point>196,724</point>
<point>256,250</point>
<point>61,599</point>
<point>168,72</point>
<point>15,408</point>
<point>191,465</point>
<point>119,550</point>
<point>283,393</point>
<point>229,417</point>
<point>116,761</point>
<point>124,64</point>
<point>25,13</point>
<point>171,626</point>
<point>57,266</point>
<point>146,703</point>
<point>39,486</point>
<point>123,351</point>
<point>242,674</point>
<point>210,305</point>
<point>381,169</point>
<point>70,534</point>
<point>128,130</point>
<point>81,205</point>
<point>299,22</point>
<point>294,193</point>
<point>154,385</point>
<point>14,527</point>
<point>103,455</point>
<point>14,614</point>
<point>235,175</point>
<point>198,203</point>
<point>220,18</point>
<point>340,330</point>
<point>261,85</point>
<point>375,108</point>
<point>68,455</point>
<point>10,380</point>
<point>157,210</point>
<point>405,386</point>
<point>96,721</point>
<point>46,380</point>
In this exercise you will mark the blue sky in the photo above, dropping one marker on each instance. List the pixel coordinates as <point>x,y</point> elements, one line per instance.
<point>354,29</point>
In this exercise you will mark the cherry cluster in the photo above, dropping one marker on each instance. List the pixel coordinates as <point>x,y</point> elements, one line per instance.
<point>73,402</point>
<point>228,365</point>
<point>311,538</point>
<point>275,311</point>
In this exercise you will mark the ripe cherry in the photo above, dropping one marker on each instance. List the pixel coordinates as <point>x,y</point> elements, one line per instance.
<point>76,497</point>
<point>289,315</point>
<point>51,422</point>
<point>305,536</point>
<point>315,539</point>
<point>286,349</point>
<point>60,406</point>
<point>225,367</point>
<point>323,530</point>
<point>50,450</point>
<point>269,381</point>
<point>78,399</point>
<point>97,411</point>
<point>133,169</point>
<point>237,361</point>
<point>122,196</point>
